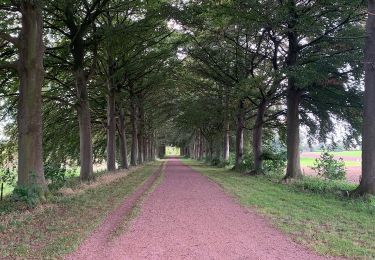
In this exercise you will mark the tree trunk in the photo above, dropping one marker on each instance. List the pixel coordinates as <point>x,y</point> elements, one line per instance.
<point>293,140</point>
<point>123,144</point>
<point>141,140</point>
<point>201,147</point>
<point>84,119</point>
<point>153,147</point>
<point>146,149</point>
<point>293,100</point>
<point>239,134</point>
<point>162,151</point>
<point>111,125</point>
<point>367,184</point>
<point>257,138</point>
<point>226,140</point>
<point>134,149</point>
<point>29,117</point>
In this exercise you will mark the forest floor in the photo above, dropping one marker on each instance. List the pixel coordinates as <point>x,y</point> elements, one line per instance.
<point>188,216</point>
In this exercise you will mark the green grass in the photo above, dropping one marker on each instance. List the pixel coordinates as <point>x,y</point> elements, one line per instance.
<point>344,153</point>
<point>349,153</point>
<point>7,190</point>
<point>311,211</point>
<point>60,226</point>
<point>309,162</point>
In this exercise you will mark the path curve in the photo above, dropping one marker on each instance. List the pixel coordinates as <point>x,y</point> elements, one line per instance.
<point>190,217</point>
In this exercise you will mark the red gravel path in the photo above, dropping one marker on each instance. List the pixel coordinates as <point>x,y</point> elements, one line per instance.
<point>190,217</point>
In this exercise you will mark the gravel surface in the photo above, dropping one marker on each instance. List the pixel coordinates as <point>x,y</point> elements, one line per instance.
<point>190,217</point>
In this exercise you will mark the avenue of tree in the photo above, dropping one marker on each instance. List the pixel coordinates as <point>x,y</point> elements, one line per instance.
<point>106,80</point>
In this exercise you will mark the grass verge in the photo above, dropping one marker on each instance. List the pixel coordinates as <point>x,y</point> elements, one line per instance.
<point>311,210</point>
<point>53,230</point>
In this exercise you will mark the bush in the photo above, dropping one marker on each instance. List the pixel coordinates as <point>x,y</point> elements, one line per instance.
<point>32,194</point>
<point>8,176</point>
<point>328,167</point>
<point>274,162</point>
<point>57,176</point>
<point>216,162</point>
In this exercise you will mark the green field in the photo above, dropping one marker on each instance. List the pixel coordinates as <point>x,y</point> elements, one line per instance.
<point>352,162</point>
<point>344,153</point>
<point>309,162</point>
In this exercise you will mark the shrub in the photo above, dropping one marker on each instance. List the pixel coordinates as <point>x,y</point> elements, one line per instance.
<point>57,176</point>
<point>274,162</point>
<point>328,167</point>
<point>8,176</point>
<point>216,162</point>
<point>32,194</point>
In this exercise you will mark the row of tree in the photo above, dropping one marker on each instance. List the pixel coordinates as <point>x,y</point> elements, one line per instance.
<point>76,75</point>
<point>99,69</point>
<point>266,68</point>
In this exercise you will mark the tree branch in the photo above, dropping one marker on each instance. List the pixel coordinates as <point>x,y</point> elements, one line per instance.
<point>8,65</point>
<point>7,37</point>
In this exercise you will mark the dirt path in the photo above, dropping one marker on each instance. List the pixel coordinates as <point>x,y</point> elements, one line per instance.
<point>190,217</point>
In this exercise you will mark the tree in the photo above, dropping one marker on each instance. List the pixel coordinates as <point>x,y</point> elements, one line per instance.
<point>367,185</point>
<point>29,66</point>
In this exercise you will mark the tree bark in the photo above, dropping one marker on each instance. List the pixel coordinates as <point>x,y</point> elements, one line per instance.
<point>134,117</point>
<point>111,121</point>
<point>77,48</point>
<point>257,138</point>
<point>367,184</point>
<point>201,147</point>
<point>153,147</point>
<point>141,150</point>
<point>123,143</point>
<point>239,134</point>
<point>293,139</point>
<point>294,95</point>
<point>29,117</point>
<point>84,119</point>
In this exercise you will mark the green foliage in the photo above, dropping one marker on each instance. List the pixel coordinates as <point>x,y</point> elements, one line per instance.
<point>321,186</point>
<point>29,195</point>
<point>327,166</point>
<point>8,176</point>
<point>58,176</point>
<point>216,162</point>
<point>275,158</point>
<point>32,195</point>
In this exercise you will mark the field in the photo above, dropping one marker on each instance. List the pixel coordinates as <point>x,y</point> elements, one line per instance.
<point>309,162</point>
<point>352,160</point>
